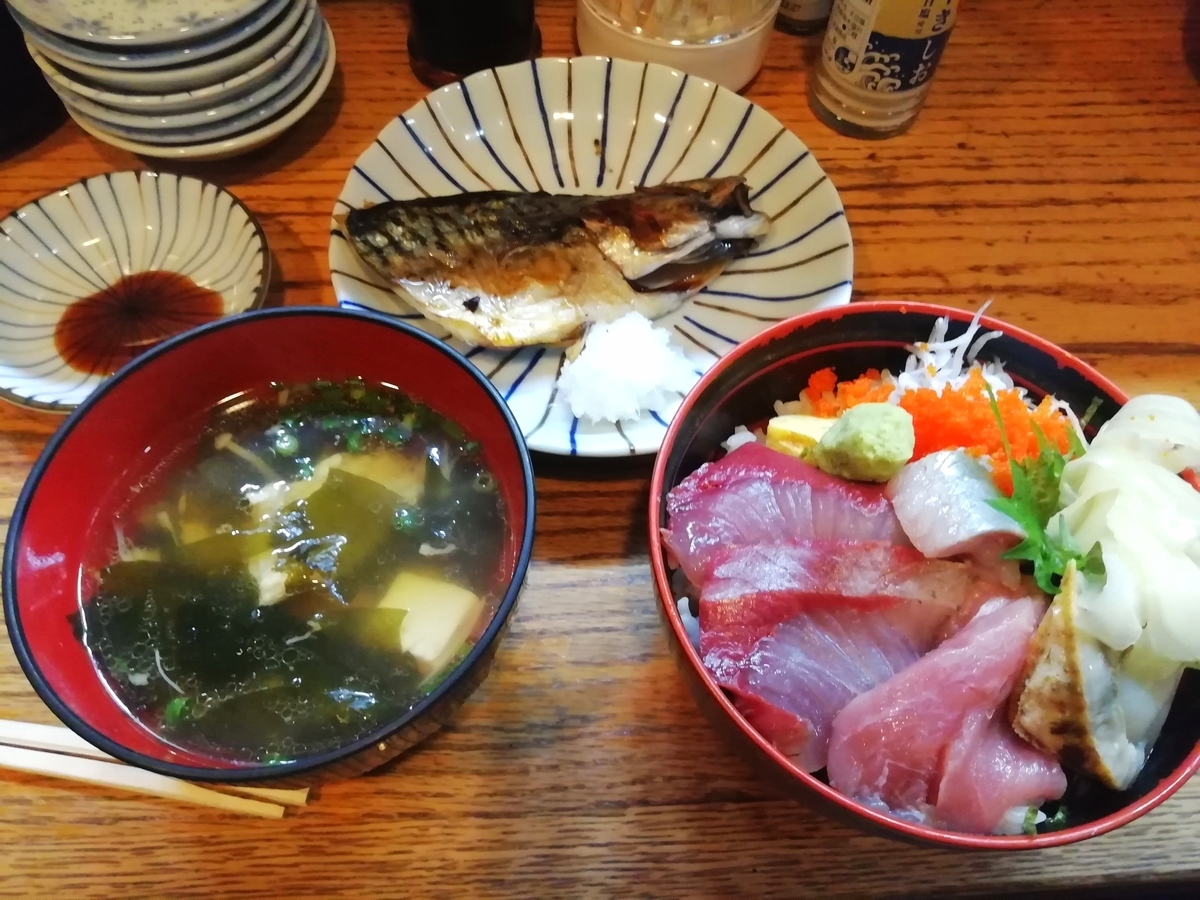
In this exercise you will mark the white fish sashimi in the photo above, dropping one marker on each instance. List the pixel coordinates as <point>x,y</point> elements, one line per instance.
<point>943,502</point>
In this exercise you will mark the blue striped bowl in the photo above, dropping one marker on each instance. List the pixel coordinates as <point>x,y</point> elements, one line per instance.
<point>597,125</point>
<point>77,241</point>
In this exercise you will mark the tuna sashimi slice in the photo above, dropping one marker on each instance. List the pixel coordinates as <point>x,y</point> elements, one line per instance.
<point>758,494</point>
<point>753,588</point>
<point>796,679</point>
<point>889,744</point>
<point>989,770</point>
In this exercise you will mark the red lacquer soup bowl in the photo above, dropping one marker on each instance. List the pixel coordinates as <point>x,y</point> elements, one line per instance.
<point>741,390</point>
<point>151,407</point>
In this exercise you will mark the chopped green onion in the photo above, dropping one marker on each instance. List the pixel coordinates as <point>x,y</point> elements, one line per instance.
<point>1029,826</point>
<point>175,711</point>
<point>286,443</point>
<point>409,519</point>
<point>1056,821</point>
<point>1092,409</point>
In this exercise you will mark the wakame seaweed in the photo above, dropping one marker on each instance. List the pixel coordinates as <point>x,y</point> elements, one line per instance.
<point>241,615</point>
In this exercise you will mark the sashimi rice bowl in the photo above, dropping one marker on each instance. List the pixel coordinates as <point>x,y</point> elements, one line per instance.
<point>937,574</point>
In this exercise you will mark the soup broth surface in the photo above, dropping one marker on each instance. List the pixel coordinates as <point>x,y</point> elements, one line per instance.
<point>322,559</point>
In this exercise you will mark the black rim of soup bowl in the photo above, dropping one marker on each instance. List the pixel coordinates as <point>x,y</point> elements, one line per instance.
<point>775,365</point>
<point>377,747</point>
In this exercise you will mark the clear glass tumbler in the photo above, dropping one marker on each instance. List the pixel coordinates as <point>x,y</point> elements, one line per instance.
<point>722,40</point>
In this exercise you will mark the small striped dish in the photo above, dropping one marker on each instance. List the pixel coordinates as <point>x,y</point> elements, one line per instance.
<point>81,241</point>
<point>597,125</point>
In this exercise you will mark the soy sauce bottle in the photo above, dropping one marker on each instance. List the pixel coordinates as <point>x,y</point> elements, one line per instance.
<point>450,39</point>
<point>31,110</point>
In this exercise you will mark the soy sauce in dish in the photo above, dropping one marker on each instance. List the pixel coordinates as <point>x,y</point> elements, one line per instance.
<point>100,333</point>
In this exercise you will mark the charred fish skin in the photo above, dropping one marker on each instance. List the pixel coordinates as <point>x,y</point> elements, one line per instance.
<point>508,269</point>
<point>405,238</point>
<point>666,224</point>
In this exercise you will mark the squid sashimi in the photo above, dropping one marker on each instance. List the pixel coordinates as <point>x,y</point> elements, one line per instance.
<point>792,682</point>
<point>988,772</point>
<point>888,746</point>
<point>756,494</point>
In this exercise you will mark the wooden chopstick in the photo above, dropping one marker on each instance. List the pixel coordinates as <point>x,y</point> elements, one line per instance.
<point>129,778</point>
<point>286,796</point>
<point>47,737</point>
<point>56,739</point>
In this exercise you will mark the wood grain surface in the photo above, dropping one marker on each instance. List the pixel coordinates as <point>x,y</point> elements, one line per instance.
<point>1055,169</point>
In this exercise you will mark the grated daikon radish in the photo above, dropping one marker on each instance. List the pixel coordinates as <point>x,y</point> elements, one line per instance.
<point>625,368</point>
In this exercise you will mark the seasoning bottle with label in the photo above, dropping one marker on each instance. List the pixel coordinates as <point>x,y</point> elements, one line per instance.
<point>802,16</point>
<point>877,63</point>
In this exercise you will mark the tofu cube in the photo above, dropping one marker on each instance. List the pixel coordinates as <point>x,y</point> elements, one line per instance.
<point>440,616</point>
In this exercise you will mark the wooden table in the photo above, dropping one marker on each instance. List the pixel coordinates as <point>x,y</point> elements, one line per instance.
<point>1055,169</point>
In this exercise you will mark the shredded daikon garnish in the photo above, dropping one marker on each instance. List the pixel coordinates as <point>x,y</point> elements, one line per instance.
<point>939,363</point>
<point>163,672</point>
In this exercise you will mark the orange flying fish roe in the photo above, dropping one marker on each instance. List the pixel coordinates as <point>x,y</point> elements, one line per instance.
<point>828,398</point>
<point>959,418</point>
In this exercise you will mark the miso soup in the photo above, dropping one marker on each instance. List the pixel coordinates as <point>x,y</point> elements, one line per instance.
<point>325,556</point>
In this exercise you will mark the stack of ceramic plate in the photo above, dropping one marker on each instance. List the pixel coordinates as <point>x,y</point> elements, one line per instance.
<point>183,79</point>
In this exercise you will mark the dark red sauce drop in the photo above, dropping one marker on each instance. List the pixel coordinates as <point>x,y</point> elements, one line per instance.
<point>101,333</point>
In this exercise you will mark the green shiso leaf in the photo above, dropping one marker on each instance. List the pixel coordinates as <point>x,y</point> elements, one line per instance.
<point>1035,499</point>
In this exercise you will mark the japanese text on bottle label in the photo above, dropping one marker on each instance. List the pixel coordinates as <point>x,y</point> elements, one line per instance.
<point>888,45</point>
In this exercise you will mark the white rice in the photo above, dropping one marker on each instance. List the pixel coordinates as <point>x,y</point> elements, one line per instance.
<point>626,367</point>
<point>690,623</point>
<point>741,435</point>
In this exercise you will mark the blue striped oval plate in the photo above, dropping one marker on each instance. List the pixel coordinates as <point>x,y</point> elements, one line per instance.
<point>595,125</point>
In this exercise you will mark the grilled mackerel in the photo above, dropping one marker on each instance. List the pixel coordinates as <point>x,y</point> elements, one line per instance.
<point>507,269</point>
